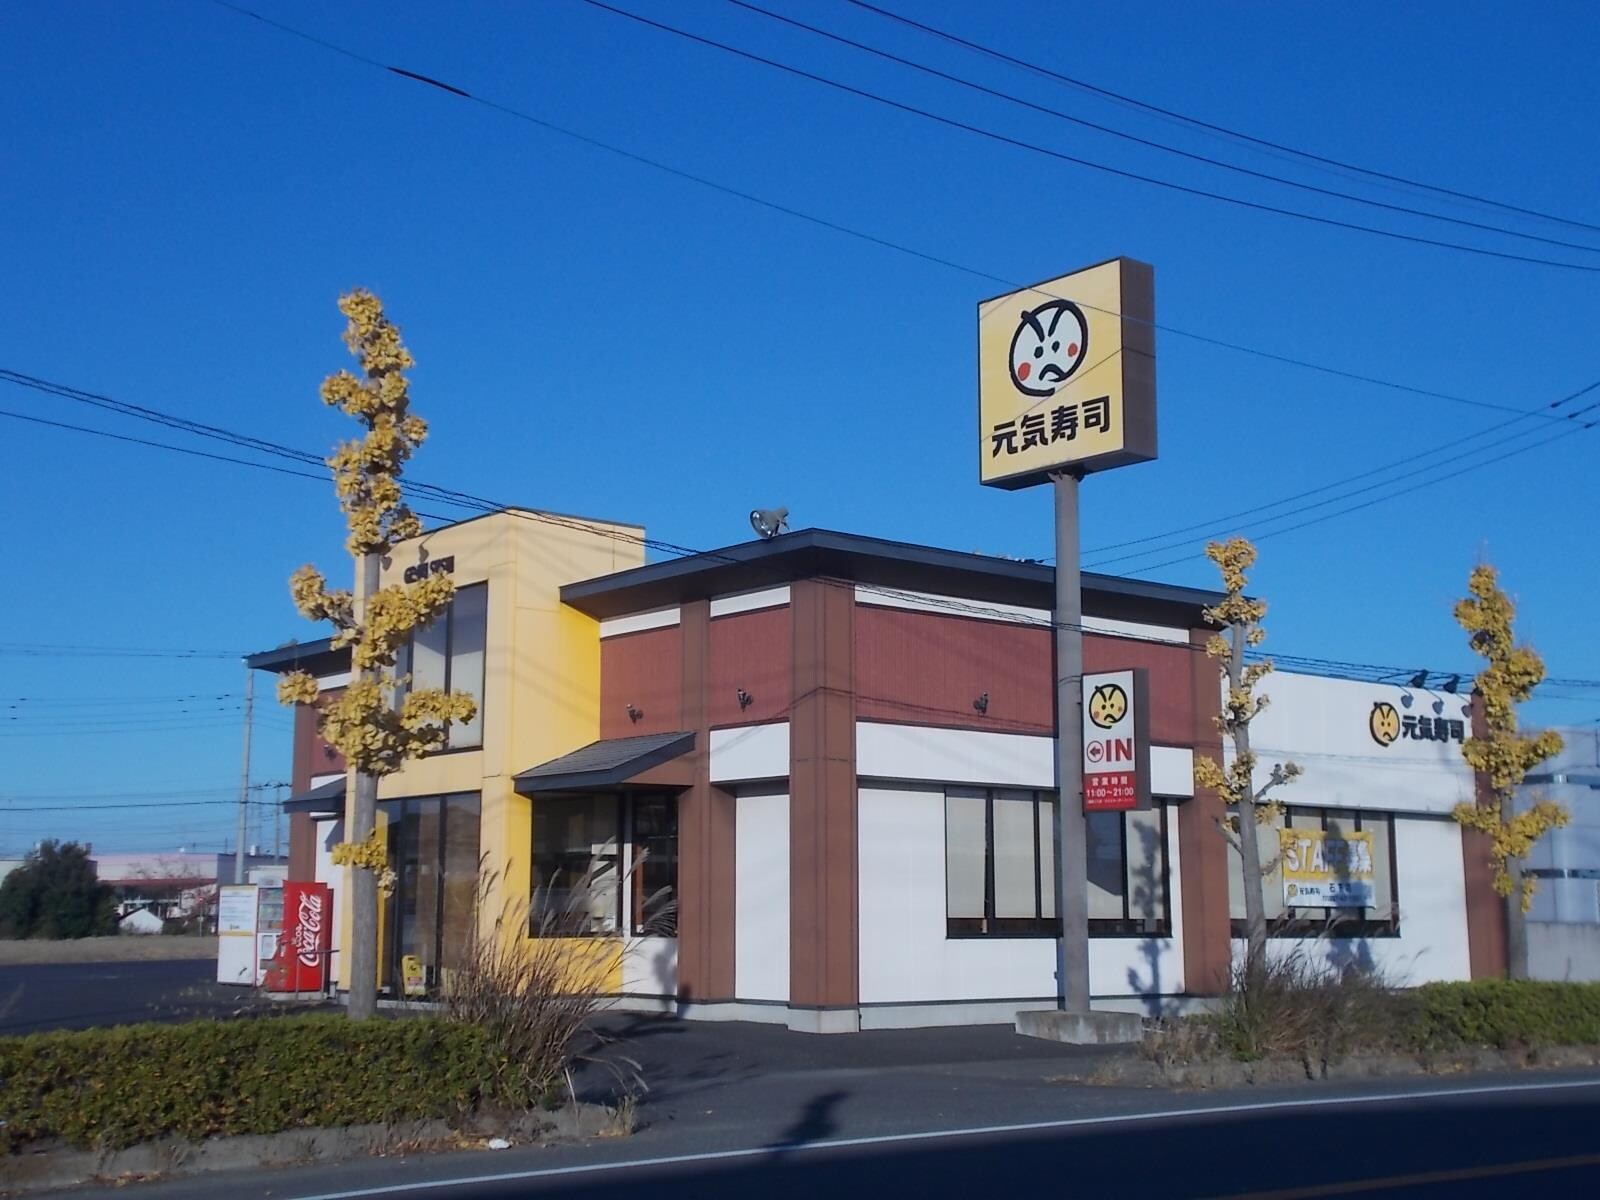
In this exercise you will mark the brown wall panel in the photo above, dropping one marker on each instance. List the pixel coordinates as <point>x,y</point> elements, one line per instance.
<point>753,651</point>
<point>311,755</point>
<point>1201,850</point>
<point>302,846</point>
<point>705,835</point>
<point>644,669</point>
<point>1172,694</point>
<point>824,897</point>
<point>920,668</point>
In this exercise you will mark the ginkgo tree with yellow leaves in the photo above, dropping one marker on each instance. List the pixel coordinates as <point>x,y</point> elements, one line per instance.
<point>1248,807</point>
<point>375,735</point>
<point>1503,755</point>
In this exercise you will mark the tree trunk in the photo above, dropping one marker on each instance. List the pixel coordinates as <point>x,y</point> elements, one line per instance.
<point>1255,907</point>
<point>363,880</point>
<point>1516,919</point>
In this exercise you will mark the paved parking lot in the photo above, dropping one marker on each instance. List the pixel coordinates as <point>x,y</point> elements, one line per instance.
<point>40,996</point>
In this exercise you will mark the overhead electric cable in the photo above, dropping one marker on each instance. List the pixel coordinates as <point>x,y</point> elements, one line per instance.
<point>1151,143</point>
<point>834,226</point>
<point>1076,160</point>
<point>1223,130</point>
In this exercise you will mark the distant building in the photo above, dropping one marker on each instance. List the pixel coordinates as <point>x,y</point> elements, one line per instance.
<point>1564,925</point>
<point>173,885</point>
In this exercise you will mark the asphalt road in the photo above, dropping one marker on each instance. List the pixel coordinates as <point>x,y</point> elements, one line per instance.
<point>40,996</point>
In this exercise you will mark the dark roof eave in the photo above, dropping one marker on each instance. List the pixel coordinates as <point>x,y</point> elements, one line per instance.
<point>654,750</point>
<point>811,552</point>
<point>318,657</point>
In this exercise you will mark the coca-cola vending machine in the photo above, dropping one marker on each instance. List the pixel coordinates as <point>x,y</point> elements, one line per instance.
<point>301,964</point>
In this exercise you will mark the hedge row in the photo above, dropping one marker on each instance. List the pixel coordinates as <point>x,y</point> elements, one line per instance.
<point>115,1087</point>
<point>1503,1013</point>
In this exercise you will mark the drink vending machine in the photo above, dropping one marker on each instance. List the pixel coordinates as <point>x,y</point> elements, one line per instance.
<point>305,941</point>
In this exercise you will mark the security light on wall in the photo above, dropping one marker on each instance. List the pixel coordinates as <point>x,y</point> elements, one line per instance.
<point>769,522</point>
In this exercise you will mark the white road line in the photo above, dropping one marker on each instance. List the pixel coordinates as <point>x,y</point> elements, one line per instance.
<point>932,1134</point>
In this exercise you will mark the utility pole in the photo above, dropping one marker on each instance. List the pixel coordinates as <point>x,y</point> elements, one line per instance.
<point>363,883</point>
<point>244,778</point>
<point>277,821</point>
<point>1072,863</point>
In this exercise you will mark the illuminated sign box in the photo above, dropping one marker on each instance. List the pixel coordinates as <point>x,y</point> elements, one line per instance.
<point>1066,375</point>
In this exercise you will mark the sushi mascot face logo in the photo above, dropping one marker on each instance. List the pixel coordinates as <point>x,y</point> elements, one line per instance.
<point>1048,347</point>
<point>1108,704</point>
<point>1384,723</point>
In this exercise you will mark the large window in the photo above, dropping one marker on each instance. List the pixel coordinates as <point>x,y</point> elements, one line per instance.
<point>449,654</point>
<point>1128,873</point>
<point>1382,919</point>
<point>433,844</point>
<point>582,883</point>
<point>1000,874</point>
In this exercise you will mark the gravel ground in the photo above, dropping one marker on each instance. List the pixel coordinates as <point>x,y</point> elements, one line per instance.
<point>151,948</point>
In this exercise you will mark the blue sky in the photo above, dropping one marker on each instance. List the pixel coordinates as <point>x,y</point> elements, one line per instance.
<point>186,191</point>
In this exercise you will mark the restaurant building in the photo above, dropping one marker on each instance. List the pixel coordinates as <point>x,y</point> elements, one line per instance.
<point>835,756</point>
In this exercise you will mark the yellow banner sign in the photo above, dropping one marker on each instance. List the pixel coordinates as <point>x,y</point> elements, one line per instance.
<point>1325,870</point>
<point>1066,375</point>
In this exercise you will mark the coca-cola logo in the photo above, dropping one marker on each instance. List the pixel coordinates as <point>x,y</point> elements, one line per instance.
<point>307,936</point>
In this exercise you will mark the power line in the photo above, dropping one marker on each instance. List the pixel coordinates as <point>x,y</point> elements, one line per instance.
<point>485,505</point>
<point>1500,453</point>
<point>1152,143</point>
<point>62,650</point>
<point>1212,127</point>
<point>837,227</point>
<point>1409,460</point>
<point>1061,156</point>
<point>1381,499</point>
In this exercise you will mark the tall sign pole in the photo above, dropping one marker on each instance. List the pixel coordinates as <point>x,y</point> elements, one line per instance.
<point>1071,857</point>
<point>243,830</point>
<point>1066,387</point>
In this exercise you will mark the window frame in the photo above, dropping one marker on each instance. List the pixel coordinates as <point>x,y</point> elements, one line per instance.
<point>988,925</point>
<point>1040,926</point>
<point>408,652</point>
<point>1127,925</point>
<point>1299,921</point>
<point>397,810</point>
<point>629,899</point>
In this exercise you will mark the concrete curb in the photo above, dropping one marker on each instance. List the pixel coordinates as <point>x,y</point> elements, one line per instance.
<point>60,1166</point>
<point>1135,1071</point>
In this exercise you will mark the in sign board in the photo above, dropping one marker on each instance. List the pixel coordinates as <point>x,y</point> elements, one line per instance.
<point>1066,375</point>
<point>1116,741</point>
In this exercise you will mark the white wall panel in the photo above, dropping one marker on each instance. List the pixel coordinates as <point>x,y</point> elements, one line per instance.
<point>885,751</point>
<point>952,606</point>
<point>1137,629</point>
<point>761,890</point>
<point>650,967</point>
<point>738,602</point>
<point>1171,771</point>
<point>655,618</point>
<point>750,752</point>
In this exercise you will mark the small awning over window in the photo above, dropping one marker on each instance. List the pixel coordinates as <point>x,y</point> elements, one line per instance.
<point>611,763</point>
<point>326,799</point>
